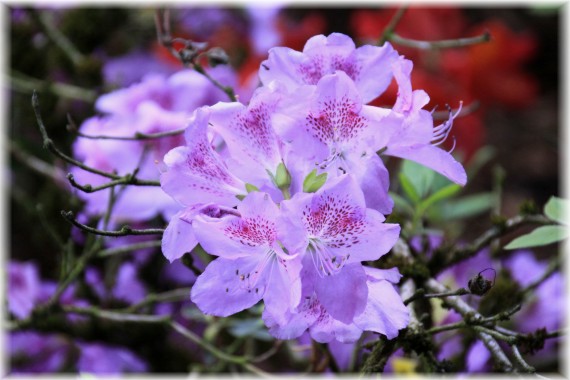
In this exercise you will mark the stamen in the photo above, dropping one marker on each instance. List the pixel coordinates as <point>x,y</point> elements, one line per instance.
<point>441,132</point>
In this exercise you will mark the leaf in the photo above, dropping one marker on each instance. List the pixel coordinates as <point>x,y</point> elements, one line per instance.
<point>409,188</point>
<point>250,327</point>
<point>556,209</point>
<point>282,177</point>
<point>402,203</point>
<point>314,182</point>
<point>479,159</point>
<point>440,195</point>
<point>541,236</point>
<point>420,177</point>
<point>467,206</point>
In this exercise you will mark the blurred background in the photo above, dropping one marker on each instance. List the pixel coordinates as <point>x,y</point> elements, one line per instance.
<point>71,56</point>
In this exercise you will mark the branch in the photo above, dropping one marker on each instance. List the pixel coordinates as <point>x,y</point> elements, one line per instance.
<point>443,44</point>
<point>469,313</point>
<point>116,316</point>
<point>444,260</point>
<point>23,83</point>
<point>552,268</point>
<point>186,56</point>
<point>126,180</point>
<point>389,30</point>
<point>170,296</point>
<point>129,248</point>
<point>420,293</point>
<point>124,231</point>
<point>50,172</point>
<point>129,179</point>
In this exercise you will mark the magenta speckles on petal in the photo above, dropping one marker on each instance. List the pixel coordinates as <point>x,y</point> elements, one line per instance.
<point>336,122</point>
<point>252,232</point>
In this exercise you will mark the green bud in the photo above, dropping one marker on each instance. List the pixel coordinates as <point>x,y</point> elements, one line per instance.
<point>282,177</point>
<point>314,182</point>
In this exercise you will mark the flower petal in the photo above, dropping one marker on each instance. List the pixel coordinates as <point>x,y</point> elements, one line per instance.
<point>344,294</point>
<point>433,158</point>
<point>385,312</point>
<point>196,174</point>
<point>178,238</point>
<point>223,290</point>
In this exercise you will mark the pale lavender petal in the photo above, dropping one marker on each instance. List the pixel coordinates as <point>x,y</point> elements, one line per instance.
<point>433,158</point>
<point>297,323</point>
<point>373,179</point>
<point>344,294</point>
<point>178,237</point>
<point>385,311</point>
<point>327,329</point>
<point>375,62</point>
<point>391,275</point>
<point>196,173</point>
<point>254,233</point>
<point>226,286</point>
<point>284,289</point>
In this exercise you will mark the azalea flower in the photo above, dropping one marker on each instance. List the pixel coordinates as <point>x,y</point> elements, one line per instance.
<point>368,66</point>
<point>252,264</point>
<point>329,126</point>
<point>196,173</point>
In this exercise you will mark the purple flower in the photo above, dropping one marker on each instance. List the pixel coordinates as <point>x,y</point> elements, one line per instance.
<point>24,288</point>
<point>334,232</point>
<point>179,238</point>
<point>103,359</point>
<point>409,132</point>
<point>252,264</point>
<point>384,313</point>
<point>32,352</point>
<point>329,126</point>
<point>254,149</point>
<point>132,67</point>
<point>196,173</point>
<point>126,287</point>
<point>368,66</point>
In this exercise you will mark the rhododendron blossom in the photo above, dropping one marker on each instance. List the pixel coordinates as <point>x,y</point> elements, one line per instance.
<point>293,196</point>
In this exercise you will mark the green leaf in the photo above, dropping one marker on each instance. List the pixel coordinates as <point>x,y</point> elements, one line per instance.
<point>440,195</point>
<point>556,209</point>
<point>467,206</point>
<point>479,159</point>
<point>541,236</point>
<point>251,188</point>
<point>314,182</point>
<point>250,327</point>
<point>402,204</point>
<point>420,177</point>
<point>409,188</point>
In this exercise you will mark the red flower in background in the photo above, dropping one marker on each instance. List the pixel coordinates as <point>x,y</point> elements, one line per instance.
<point>491,73</point>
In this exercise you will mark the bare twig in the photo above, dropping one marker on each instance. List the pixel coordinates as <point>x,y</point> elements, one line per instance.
<point>520,360</point>
<point>136,137</point>
<point>170,296</point>
<point>389,30</point>
<point>25,84</point>
<point>129,179</point>
<point>124,231</point>
<point>443,44</point>
<point>129,248</point>
<point>126,180</point>
<point>469,313</point>
<point>420,293</point>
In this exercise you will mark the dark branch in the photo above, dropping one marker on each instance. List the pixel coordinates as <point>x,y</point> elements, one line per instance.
<point>124,231</point>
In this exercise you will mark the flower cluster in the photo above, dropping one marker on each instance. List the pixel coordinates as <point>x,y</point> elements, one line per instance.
<point>290,193</point>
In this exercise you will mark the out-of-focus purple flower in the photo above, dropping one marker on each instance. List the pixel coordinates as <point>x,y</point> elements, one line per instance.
<point>131,68</point>
<point>127,286</point>
<point>99,358</point>
<point>32,352</point>
<point>203,22</point>
<point>368,66</point>
<point>264,33</point>
<point>544,308</point>
<point>24,288</point>
<point>157,104</point>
